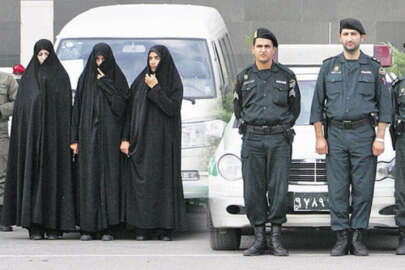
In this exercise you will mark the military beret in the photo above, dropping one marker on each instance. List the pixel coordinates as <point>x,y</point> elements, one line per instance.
<point>267,34</point>
<point>353,24</point>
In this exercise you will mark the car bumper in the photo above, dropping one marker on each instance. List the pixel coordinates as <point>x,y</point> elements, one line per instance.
<point>224,207</point>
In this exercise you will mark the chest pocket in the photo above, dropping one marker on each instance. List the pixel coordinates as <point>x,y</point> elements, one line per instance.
<point>248,92</point>
<point>366,85</point>
<point>334,84</point>
<point>280,93</point>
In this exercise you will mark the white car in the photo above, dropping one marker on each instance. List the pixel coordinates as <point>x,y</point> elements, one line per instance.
<point>307,192</point>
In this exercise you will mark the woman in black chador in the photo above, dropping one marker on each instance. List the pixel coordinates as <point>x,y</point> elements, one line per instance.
<point>98,110</point>
<point>38,193</point>
<point>154,200</point>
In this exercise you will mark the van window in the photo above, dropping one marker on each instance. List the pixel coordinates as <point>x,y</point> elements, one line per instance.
<point>190,56</point>
<point>220,68</point>
<point>227,56</point>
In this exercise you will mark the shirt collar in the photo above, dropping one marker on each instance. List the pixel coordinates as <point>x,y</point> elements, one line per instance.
<point>274,67</point>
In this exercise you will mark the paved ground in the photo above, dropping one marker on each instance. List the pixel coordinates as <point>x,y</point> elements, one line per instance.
<point>309,250</point>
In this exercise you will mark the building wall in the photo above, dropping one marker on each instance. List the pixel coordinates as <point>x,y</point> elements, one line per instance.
<point>293,21</point>
<point>9,32</point>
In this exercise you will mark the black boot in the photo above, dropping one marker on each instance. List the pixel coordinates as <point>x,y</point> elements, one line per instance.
<point>342,243</point>
<point>358,247</point>
<point>275,245</point>
<point>401,244</point>
<point>259,246</point>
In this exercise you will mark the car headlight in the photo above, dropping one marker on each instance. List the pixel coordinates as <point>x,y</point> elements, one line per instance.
<point>385,170</point>
<point>230,167</point>
<point>202,134</point>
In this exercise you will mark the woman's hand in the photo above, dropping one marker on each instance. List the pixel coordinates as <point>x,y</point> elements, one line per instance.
<point>151,80</point>
<point>124,147</point>
<point>75,148</point>
<point>100,74</point>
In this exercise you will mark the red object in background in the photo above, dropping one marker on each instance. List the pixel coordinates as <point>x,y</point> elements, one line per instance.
<point>18,69</point>
<point>383,54</point>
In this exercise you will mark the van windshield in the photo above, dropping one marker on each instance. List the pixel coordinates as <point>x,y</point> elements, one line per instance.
<point>307,88</point>
<point>190,56</point>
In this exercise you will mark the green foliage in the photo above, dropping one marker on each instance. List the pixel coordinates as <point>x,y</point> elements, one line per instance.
<point>398,62</point>
<point>226,113</point>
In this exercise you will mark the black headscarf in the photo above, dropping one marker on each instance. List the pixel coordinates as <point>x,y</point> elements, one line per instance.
<point>109,67</point>
<point>51,66</point>
<point>166,71</point>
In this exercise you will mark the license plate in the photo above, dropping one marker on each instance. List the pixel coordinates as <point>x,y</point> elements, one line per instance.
<point>311,201</point>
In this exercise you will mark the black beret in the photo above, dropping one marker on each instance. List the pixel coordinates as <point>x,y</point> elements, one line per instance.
<point>353,24</point>
<point>267,34</point>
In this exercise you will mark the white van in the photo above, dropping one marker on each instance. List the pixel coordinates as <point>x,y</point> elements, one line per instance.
<point>199,42</point>
<point>307,189</point>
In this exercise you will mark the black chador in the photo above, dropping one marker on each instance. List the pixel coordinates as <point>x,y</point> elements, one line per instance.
<point>154,193</point>
<point>98,111</point>
<point>38,193</point>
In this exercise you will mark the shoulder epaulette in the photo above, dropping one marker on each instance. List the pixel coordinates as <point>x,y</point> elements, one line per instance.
<point>375,59</point>
<point>286,69</point>
<point>244,74</point>
<point>327,59</point>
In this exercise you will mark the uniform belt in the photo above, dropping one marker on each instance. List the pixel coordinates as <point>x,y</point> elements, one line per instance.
<point>265,130</point>
<point>349,124</point>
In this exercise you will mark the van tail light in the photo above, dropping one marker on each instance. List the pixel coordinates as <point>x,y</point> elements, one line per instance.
<point>18,69</point>
<point>383,54</point>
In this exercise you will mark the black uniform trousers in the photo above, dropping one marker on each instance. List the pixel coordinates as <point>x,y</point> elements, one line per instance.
<point>266,161</point>
<point>351,170</point>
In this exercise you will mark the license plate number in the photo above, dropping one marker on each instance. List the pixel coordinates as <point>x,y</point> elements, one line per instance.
<point>311,201</point>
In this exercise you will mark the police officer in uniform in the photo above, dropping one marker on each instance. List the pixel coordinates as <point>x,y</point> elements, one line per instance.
<point>266,104</point>
<point>397,130</point>
<point>350,99</point>
<point>8,93</point>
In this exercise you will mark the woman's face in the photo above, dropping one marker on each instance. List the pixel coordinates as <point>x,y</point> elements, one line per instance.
<point>42,55</point>
<point>154,60</point>
<point>99,60</point>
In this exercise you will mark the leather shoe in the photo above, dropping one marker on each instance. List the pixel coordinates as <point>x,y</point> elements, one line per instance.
<point>4,228</point>
<point>107,237</point>
<point>86,237</point>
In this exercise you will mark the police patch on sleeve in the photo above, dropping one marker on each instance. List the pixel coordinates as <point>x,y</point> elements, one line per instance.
<point>235,95</point>
<point>292,83</point>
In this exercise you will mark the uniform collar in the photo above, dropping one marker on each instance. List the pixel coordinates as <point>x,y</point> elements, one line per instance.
<point>363,59</point>
<point>274,67</point>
